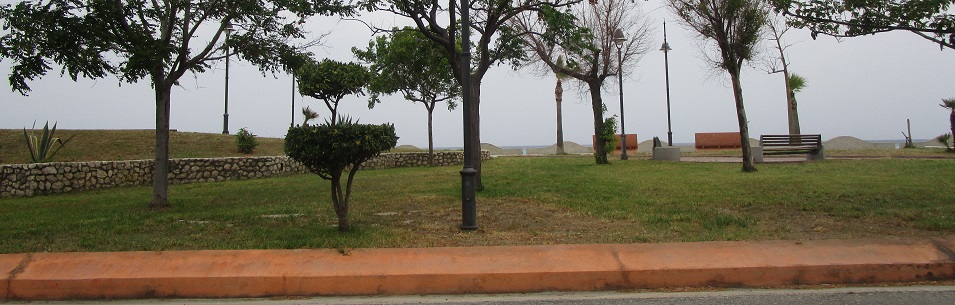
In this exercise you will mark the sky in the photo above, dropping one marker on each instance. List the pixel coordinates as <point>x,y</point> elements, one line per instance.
<point>865,87</point>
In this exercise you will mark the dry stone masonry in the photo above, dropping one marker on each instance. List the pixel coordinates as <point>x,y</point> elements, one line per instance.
<point>24,180</point>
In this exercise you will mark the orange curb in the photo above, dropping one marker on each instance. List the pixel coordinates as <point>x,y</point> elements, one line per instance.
<point>261,273</point>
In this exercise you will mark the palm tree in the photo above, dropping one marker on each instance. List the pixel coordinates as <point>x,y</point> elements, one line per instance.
<point>559,97</point>
<point>950,104</point>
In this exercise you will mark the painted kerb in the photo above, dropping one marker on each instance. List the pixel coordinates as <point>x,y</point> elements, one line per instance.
<point>25,180</point>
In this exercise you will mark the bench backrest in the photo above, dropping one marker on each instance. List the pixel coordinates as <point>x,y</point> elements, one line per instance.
<point>791,140</point>
<point>718,140</point>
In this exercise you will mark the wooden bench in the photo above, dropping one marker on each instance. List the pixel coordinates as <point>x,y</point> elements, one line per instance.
<point>796,144</point>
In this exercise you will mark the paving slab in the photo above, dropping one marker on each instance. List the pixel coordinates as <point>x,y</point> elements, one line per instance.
<point>512,269</point>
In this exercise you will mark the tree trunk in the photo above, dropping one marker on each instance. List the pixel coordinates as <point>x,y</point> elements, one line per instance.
<point>793,114</point>
<point>340,203</point>
<point>951,122</point>
<point>430,134</point>
<point>743,123</point>
<point>596,102</point>
<point>161,168</point>
<point>559,97</point>
<point>476,130</point>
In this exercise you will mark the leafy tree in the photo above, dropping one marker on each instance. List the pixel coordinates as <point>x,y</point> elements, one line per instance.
<point>930,19</point>
<point>950,104</point>
<point>330,81</point>
<point>410,63</point>
<point>496,43</point>
<point>138,39</point>
<point>584,36</point>
<point>733,28</point>
<point>331,149</point>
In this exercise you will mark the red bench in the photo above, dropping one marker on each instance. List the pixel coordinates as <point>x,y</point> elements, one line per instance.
<point>631,141</point>
<point>718,140</point>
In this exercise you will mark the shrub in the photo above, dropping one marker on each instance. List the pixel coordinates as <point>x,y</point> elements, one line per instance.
<point>41,149</point>
<point>245,141</point>
<point>946,139</point>
<point>609,135</point>
<point>329,150</point>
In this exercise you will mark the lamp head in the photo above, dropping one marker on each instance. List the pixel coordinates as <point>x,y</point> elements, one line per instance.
<point>618,38</point>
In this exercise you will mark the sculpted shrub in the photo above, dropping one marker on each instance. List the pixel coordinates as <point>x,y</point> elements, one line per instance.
<point>331,150</point>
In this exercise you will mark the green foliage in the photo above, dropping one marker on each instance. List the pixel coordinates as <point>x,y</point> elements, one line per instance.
<point>409,63</point>
<point>85,39</point>
<point>948,103</point>
<point>245,141</point>
<point>331,149</point>
<point>733,27</point>
<point>609,135</point>
<point>796,82</point>
<point>946,139</point>
<point>330,81</point>
<point>41,148</point>
<point>930,19</point>
<point>309,115</point>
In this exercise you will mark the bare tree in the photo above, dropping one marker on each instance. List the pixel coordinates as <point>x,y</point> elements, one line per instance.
<point>588,47</point>
<point>777,28</point>
<point>733,28</point>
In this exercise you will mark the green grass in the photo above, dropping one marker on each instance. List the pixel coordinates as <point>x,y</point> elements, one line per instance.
<point>109,145</point>
<point>526,201</point>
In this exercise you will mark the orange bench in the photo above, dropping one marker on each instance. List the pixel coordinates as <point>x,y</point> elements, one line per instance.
<point>718,140</point>
<point>631,141</point>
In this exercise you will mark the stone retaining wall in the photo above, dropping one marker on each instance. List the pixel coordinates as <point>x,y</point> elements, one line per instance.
<point>24,180</point>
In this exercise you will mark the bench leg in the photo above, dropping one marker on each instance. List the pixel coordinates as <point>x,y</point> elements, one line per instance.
<point>757,152</point>
<point>820,155</point>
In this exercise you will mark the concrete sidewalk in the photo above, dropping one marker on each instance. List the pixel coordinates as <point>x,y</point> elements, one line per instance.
<point>260,273</point>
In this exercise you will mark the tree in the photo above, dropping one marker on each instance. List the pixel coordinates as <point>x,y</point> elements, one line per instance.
<point>950,104</point>
<point>585,38</point>
<point>930,19</point>
<point>411,64</point>
<point>496,44</point>
<point>733,28</point>
<point>794,82</point>
<point>138,39</point>
<point>331,149</point>
<point>330,81</point>
<point>559,98</point>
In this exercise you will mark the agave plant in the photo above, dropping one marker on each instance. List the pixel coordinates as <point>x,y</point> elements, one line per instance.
<point>945,139</point>
<point>41,149</point>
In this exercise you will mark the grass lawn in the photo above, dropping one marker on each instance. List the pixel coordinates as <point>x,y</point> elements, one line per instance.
<point>108,145</point>
<point>526,201</point>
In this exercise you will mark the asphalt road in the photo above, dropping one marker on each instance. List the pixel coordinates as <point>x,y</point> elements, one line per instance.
<point>935,295</point>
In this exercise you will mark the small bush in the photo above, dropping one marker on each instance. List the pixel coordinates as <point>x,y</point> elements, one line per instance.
<point>245,141</point>
<point>609,134</point>
<point>332,149</point>
<point>946,139</point>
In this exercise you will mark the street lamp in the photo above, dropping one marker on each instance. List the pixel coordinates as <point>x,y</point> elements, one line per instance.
<point>666,64</point>
<point>225,115</point>
<point>468,173</point>
<point>618,39</point>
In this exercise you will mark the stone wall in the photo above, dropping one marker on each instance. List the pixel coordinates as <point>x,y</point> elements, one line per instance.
<point>24,180</point>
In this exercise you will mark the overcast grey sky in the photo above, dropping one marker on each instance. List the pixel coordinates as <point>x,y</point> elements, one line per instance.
<point>864,87</point>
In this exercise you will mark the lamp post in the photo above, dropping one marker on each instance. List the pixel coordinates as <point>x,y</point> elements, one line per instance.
<point>666,64</point>
<point>293,101</point>
<point>225,114</point>
<point>618,39</point>
<point>468,173</point>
